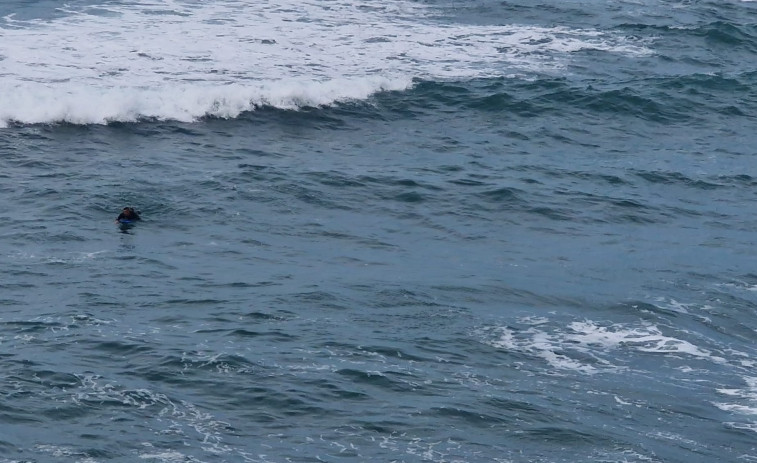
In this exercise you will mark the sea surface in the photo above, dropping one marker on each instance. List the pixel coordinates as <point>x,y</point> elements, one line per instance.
<point>378,231</point>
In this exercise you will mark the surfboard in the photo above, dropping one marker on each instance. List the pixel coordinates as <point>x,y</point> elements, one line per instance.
<point>125,224</point>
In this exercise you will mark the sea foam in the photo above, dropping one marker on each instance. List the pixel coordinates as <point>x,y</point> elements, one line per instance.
<point>582,346</point>
<point>183,61</point>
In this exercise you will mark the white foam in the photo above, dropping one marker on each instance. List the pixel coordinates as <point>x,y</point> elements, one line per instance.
<point>180,60</point>
<point>645,338</point>
<point>29,103</point>
<point>542,344</point>
<point>740,285</point>
<point>170,416</point>
<point>64,452</point>
<point>747,398</point>
<point>743,409</point>
<point>584,346</point>
<point>170,456</point>
<point>72,257</point>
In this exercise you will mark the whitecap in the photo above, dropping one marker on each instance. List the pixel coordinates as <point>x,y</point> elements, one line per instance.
<point>183,61</point>
<point>589,347</point>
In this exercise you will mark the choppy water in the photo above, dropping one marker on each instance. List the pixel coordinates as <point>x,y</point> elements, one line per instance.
<point>378,231</point>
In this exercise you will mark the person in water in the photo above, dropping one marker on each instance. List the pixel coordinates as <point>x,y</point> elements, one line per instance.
<point>128,213</point>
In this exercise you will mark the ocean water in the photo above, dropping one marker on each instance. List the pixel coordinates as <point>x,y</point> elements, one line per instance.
<point>385,231</point>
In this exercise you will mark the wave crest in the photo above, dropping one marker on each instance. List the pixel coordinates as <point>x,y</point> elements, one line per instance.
<point>184,61</point>
<point>30,104</point>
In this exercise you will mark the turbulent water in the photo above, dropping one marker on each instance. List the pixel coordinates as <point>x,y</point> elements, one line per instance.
<point>382,231</point>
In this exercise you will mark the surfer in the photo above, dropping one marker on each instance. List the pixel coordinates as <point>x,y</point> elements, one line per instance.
<point>128,214</point>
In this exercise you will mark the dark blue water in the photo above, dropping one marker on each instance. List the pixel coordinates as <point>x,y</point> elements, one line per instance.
<point>470,233</point>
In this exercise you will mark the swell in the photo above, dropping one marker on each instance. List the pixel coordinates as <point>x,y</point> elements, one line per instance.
<point>667,100</point>
<point>720,34</point>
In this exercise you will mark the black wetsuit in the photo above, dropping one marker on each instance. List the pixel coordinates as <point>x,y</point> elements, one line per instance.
<point>133,216</point>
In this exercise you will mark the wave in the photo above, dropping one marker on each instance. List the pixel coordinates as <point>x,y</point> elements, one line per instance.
<point>583,346</point>
<point>727,34</point>
<point>184,61</point>
<point>668,100</point>
<point>29,103</point>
